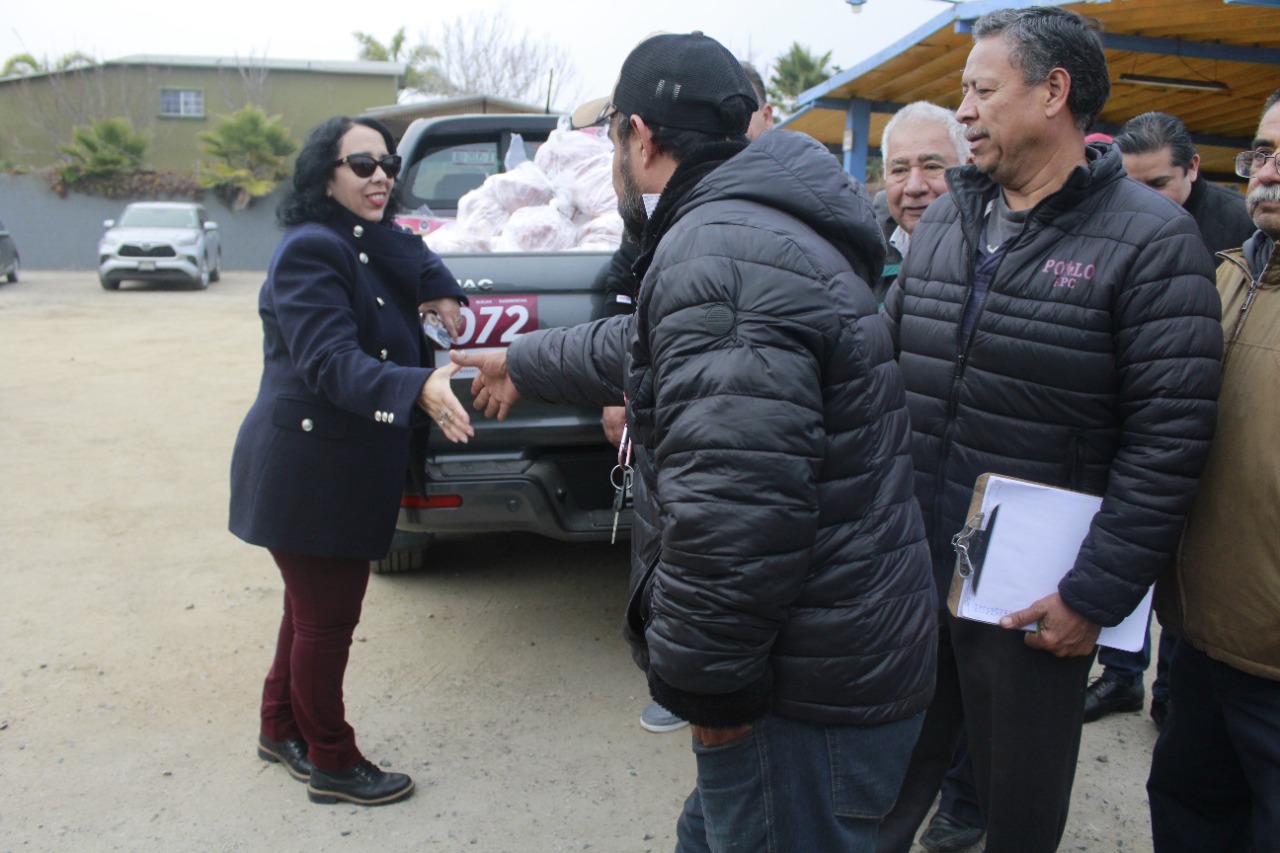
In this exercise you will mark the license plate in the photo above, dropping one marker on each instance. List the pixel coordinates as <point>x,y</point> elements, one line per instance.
<point>147,266</point>
<point>492,322</point>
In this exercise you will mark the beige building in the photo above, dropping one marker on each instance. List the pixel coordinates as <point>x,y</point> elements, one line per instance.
<point>176,98</point>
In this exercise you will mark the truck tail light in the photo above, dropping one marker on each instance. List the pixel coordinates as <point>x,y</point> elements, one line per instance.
<point>409,501</point>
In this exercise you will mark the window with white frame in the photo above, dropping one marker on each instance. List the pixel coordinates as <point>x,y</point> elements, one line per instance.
<point>182,102</point>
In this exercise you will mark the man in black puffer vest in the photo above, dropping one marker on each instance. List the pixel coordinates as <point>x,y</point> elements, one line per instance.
<point>1056,322</point>
<point>781,599</point>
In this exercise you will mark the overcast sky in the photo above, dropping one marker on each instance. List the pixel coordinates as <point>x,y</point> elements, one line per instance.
<point>597,35</point>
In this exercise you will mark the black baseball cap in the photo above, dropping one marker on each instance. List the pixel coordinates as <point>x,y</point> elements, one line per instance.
<point>687,81</point>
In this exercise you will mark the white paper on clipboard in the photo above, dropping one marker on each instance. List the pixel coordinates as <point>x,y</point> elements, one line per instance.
<point>1032,548</point>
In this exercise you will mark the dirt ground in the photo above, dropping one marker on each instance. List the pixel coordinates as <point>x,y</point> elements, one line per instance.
<point>135,631</point>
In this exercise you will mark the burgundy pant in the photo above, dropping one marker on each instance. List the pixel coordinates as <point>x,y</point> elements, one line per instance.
<point>303,691</point>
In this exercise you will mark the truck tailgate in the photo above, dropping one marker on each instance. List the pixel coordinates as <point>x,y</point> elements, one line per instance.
<point>545,468</point>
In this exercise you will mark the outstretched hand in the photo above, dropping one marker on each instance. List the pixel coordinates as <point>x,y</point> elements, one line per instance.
<point>437,399</point>
<point>1059,629</point>
<point>493,389</point>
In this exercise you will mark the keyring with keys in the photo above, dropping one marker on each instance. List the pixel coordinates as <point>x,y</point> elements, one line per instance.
<point>620,477</point>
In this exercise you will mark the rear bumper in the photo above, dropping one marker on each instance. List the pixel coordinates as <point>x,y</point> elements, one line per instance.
<point>546,498</point>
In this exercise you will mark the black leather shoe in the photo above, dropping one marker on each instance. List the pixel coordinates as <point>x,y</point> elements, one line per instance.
<point>291,753</point>
<point>363,783</point>
<point>1159,712</point>
<point>1108,696</point>
<point>948,835</point>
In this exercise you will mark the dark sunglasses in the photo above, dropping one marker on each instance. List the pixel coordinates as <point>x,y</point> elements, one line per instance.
<point>364,164</point>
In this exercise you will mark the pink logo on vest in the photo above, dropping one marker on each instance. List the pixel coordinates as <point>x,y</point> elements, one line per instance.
<point>1068,273</point>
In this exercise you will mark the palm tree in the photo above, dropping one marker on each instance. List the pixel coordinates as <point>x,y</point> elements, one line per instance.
<point>422,74</point>
<point>797,71</point>
<point>26,64</point>
<point>103,151</point>
<point>250,149</point>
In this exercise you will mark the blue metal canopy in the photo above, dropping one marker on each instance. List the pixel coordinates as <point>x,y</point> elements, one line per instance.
<point>1229,48</point>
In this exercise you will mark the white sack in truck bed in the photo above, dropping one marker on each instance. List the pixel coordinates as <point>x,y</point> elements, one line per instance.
<point>452,238</point>
<point>563,199</point>
<point>536,229</point>
<point>523,186</point>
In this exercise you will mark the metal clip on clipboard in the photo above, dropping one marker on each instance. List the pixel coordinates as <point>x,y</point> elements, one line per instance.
<point>970,545</point>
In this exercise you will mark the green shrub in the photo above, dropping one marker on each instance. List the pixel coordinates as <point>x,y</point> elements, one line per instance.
<point>106,159</point>
<point>102,151</point>
<point>251,151</point>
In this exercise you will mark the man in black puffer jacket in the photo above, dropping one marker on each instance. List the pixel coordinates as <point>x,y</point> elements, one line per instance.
<point>781,599</point>
<point>1057,323</point>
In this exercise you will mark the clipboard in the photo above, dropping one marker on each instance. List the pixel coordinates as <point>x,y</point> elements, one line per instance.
<point>1000,569</point>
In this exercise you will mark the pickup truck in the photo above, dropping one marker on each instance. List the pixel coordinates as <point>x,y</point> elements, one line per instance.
<point>545,469</point>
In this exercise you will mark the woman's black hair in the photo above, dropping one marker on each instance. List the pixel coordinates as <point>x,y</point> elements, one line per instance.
<point>306,200</point>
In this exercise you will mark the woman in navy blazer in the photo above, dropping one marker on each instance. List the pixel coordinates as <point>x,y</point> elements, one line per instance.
<point>322,457</point>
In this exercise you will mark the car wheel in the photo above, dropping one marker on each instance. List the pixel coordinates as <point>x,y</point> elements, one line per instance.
<point>201,281</point>
<point>108,284</point>
<point>215,274</point>
<point>408,554</point>
<point>13,273</point>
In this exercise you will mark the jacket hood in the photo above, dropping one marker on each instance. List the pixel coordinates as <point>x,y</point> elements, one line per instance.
<point>795,174</point>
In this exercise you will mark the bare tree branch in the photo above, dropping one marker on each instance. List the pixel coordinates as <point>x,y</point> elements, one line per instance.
<point>58,101</point>
<point>482,55</point>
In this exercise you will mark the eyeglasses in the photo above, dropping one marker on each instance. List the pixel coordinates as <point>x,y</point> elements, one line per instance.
<point>364,164</point>
<point>1248,162</point>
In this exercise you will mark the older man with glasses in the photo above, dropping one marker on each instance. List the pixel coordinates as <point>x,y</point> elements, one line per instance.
<point>1215,774</point>
<point>1158,151</point>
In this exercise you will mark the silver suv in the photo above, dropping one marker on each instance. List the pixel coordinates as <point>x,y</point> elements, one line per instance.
<point>160,241</point>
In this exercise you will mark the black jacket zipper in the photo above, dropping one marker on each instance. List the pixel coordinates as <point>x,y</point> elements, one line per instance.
<point>941,538</point>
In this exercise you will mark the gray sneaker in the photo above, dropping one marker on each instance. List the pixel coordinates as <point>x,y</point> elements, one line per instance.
<point>655,718</point>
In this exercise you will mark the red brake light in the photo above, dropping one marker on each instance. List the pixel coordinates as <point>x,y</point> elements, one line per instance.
<point>409,501</point>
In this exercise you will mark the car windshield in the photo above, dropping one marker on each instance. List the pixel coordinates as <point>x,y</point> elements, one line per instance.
<point>159,217</point>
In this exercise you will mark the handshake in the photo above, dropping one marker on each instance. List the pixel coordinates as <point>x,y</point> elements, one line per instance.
<point>492,388</point>
<point>494,391</point>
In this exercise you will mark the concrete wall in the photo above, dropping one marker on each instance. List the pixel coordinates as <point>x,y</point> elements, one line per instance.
<point>62,233</point>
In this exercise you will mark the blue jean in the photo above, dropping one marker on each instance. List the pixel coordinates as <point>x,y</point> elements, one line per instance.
<point>1215,773</point>
<point>959,796</point>
<point>791,785</point>
<point>1127,668</point>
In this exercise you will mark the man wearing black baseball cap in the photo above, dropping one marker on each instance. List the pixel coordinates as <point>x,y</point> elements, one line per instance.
<point>781,598</point>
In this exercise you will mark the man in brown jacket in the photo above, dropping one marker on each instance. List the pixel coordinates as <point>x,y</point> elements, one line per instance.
<point>1215,774</point>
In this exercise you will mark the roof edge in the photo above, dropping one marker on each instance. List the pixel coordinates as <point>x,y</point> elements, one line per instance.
<point>359,66</point>
<point>939,21</point>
